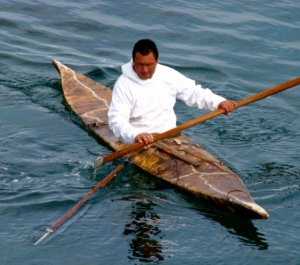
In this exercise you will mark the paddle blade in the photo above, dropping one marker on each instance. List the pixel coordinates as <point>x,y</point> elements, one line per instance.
<point>48,232</point>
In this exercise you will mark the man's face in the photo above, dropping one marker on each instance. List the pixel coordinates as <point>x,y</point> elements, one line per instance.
<point>144,65</point>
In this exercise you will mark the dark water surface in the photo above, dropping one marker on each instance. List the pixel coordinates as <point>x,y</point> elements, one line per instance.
<point>46,157</point>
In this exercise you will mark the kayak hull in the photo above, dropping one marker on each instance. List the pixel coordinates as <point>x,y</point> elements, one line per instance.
<point>177,161</point>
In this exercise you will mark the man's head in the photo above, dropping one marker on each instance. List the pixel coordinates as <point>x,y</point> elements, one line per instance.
<point>145,58</point>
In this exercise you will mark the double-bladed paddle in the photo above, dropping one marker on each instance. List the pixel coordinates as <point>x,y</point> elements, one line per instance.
<point>131,148</point>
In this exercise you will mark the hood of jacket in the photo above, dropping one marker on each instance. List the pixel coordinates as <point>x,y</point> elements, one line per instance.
<point>128,71</point>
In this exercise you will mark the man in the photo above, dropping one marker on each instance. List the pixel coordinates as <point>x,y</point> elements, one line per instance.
<point>145,94</point>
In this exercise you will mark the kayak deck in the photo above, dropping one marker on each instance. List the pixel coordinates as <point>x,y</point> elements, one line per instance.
<point>177,160</point>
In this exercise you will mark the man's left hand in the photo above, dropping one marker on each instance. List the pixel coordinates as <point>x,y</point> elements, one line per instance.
<point>227,106</point>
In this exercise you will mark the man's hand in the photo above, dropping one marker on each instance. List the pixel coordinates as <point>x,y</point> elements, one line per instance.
<point>227,106</point>
<point>145,138</point>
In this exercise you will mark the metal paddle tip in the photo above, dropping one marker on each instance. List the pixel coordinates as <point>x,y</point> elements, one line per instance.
<point>98,163</point>
<point>48,232</point>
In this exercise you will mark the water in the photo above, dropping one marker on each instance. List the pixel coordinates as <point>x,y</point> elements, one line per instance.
<point>46,157</point>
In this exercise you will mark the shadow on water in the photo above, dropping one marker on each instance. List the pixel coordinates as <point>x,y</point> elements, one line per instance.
<point>246,231</point>
<point>237,225</point>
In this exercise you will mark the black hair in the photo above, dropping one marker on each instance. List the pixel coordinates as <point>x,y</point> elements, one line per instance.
<point>144,47</point>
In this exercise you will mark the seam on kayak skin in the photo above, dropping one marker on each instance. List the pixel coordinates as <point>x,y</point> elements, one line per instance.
<point>202,177</point>
<point>186,175</point>
<point>94,118</point>
<point>215,173</point>
<point>91,90</point>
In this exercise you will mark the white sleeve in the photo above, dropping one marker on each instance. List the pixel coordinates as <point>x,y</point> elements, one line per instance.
<point>119,114</point>
<point>195,95</point>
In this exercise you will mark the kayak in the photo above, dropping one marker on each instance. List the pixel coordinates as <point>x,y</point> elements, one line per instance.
<point>176,160</point>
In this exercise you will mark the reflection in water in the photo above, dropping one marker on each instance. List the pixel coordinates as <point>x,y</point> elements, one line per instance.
<point>144,232</point>
<point>145,237</point>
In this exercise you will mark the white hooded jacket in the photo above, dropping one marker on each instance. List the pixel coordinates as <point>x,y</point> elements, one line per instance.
<point>140,106</point>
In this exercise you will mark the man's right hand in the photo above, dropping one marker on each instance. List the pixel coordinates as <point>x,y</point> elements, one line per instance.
<point>145,138</point>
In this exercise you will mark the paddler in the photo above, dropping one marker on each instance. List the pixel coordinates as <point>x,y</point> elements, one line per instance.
<point>144,96</point>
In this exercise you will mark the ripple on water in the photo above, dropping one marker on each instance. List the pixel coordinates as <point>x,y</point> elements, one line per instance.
<point>276,184</point>
<point>234,47</point>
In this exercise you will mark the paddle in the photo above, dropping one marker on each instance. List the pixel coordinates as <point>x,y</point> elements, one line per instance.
<point>71,212</point>
<point>208,116</point>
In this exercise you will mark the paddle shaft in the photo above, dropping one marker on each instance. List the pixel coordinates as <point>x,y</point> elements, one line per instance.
<point>208,116</point>
<point>71,212</point>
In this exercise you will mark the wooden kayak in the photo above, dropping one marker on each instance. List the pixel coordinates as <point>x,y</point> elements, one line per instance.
<point>177,161</point>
